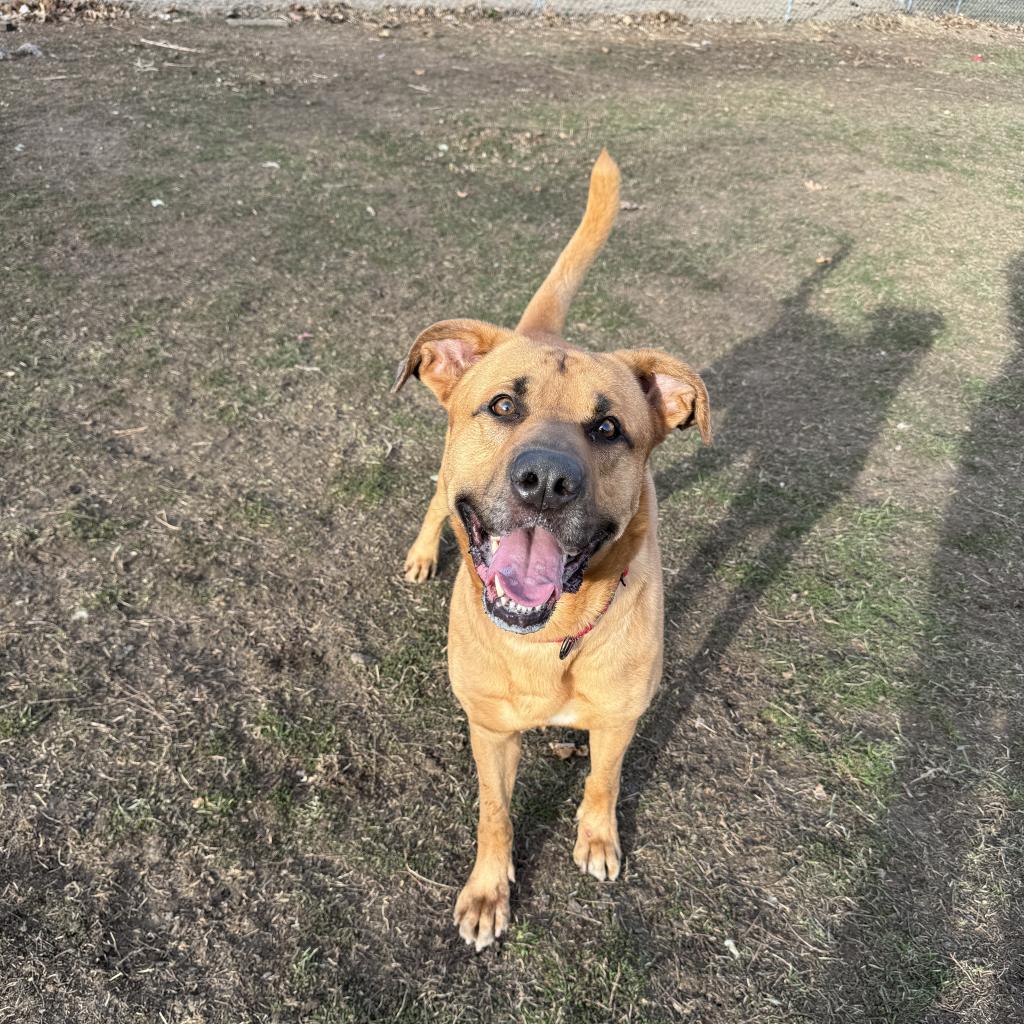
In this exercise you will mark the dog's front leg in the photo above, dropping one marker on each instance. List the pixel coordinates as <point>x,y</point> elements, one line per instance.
<point>421,559</point>
<point>481,911</point>
<point>597,850</point>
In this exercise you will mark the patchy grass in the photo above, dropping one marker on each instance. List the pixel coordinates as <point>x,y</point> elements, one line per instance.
<point>235,783</point>
<point>20,722</point>
<point>89,519</point>
<point>370,483</point>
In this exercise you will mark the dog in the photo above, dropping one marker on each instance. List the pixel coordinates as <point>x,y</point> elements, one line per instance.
<point>557,612</point>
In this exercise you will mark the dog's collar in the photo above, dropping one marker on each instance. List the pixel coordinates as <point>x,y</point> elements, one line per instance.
<point>569,643</point>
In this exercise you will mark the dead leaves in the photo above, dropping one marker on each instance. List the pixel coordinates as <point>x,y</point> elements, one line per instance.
<point>564,750</point>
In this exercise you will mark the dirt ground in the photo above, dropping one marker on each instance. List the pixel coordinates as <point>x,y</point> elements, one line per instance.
<point>234,785</point>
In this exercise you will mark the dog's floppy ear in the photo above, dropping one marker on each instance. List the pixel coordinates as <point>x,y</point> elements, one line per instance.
<point>444,351</point>
<point>677,395</point>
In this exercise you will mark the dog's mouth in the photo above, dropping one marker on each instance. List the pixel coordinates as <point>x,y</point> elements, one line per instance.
<point>525,571</point>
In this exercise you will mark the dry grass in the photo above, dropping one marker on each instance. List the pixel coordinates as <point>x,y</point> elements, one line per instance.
<point>234,783</point>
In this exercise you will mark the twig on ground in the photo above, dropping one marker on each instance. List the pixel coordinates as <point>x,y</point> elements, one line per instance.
<point>427,881</point>
<point>168,46</point>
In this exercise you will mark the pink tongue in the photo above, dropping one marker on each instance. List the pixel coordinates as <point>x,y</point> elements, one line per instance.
<point>531,565</point>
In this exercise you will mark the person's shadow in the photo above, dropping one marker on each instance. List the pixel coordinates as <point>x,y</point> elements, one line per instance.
<point>802,405</point>
<point>936,930</point>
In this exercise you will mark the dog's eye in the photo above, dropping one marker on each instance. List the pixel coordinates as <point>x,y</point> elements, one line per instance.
<point>607,429</point>
<point>503,406</point>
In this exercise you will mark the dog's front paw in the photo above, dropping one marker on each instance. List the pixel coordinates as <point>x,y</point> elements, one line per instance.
<point>481,911</point>
<point>420,565</point>
<point>597,850</point>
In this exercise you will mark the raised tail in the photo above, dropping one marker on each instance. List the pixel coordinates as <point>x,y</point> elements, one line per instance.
<point>545,315</point>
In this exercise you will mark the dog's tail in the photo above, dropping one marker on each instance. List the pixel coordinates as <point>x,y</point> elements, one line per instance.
<point>545,315</point>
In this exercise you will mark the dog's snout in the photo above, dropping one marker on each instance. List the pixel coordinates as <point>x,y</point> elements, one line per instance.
<point>546,480</point>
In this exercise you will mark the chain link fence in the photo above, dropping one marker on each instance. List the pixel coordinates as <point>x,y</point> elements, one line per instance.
<point>1005,11</point>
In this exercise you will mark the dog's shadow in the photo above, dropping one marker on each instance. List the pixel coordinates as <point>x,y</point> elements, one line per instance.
<point>802,404</point>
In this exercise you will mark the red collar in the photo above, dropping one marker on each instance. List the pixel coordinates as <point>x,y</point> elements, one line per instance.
<point>569,642</point>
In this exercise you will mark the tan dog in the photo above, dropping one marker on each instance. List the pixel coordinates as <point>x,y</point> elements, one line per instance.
<point>556,618</point>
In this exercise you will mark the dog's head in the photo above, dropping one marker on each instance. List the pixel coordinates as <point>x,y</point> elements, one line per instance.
<point>546,453</point>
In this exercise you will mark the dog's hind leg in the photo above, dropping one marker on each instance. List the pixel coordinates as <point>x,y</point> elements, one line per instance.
<point>421,560</point>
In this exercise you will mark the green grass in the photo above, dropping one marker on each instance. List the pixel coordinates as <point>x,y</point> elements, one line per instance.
<point>216,805</point>
<point>871,766</point>
<point>20,723</point>
<point>247,751</point>
<point>287,354</point>
<point>610,982</point>
<point>412,663</point>
<point>236,400</point>
<point>91,520</point>
<point>998,61</point>
<point>371,482</point>
<point>135,817</point>
<point>257,511</point>
<point>911,981</point>
<point>301,736</point>
<point>860,614</point>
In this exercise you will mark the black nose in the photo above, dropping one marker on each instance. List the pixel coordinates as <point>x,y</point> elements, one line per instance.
<point>546,480</point>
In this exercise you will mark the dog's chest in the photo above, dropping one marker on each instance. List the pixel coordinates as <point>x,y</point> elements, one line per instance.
<point>578,694</point>
<point>537,706</point>
<point>567,715</point>
<point>537,711</point>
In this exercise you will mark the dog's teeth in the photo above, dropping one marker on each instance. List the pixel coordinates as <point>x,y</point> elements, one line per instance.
<point>494,544</point>
<point>497,585</point>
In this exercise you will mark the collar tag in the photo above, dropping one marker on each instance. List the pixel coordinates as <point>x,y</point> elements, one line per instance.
<point>569,643</point>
